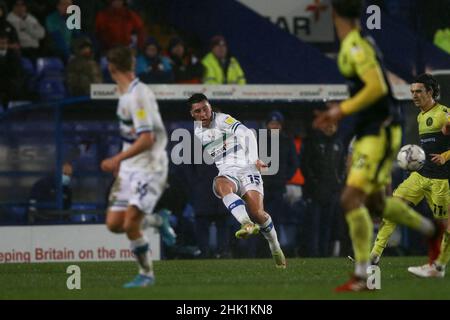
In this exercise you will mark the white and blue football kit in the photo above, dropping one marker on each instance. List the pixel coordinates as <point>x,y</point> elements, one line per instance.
<point>142,178</point>
<point>234,150</point>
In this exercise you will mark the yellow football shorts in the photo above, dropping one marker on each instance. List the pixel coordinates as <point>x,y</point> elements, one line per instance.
<point>372,159</point>
<point>435,191</point>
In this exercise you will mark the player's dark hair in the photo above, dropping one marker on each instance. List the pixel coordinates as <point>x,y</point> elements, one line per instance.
<point>430,83</point>
<point>350,9</point>
<point>196,98</point>
<point>122,58</point>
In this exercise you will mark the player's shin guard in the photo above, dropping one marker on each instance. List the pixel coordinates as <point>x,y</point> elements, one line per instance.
<point>236,206</point>
<point>444,256</point>
<point>268,231</point>
<point>361,232</point>
<point>385,231</point>
<point>140,249</point>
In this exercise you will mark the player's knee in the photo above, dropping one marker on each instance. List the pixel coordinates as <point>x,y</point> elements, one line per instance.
<point>222,193</point>
<point>131,226</point>
<point>350,200</point>
<point>223,187</point>
<point>114,226</point>
<point>344,201</point>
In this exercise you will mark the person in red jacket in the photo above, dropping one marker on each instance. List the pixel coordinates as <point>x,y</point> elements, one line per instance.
<point>116,25</point>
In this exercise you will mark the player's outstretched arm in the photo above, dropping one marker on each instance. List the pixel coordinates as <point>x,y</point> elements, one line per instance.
<point>374,88</point>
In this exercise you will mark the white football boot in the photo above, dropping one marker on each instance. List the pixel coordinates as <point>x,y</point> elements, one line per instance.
<point>428,271</point>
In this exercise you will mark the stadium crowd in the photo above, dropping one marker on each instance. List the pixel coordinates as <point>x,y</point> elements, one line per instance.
<point>51,61</point>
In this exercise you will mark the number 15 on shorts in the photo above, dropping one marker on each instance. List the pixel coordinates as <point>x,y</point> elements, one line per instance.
<point>253,179</point>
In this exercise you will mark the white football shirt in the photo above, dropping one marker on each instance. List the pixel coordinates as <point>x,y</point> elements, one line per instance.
<point>223,142</point>
<point>138,112</point>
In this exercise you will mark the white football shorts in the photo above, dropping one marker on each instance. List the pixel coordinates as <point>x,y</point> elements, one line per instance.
<point>137,188</point>
<point>244,181</point>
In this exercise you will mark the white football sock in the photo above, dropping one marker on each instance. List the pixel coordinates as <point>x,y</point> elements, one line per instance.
<point>361,269</point>
<point>236,206</point>
<point>268,231</point>
<point>140,249</point>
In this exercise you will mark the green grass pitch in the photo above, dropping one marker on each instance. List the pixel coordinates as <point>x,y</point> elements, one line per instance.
<point>218,280</point>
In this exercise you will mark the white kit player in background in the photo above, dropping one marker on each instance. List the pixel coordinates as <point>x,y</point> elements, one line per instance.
<point>234,150</point>
<point>141,167</point>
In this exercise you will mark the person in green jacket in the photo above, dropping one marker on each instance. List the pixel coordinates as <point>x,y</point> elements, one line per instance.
<point>442,39</point>
<point>219,66</point>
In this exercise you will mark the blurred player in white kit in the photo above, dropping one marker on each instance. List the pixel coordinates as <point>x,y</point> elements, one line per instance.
<point>141,167</point>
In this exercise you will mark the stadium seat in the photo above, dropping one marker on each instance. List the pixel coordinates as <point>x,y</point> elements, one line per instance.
<point>105,72</point>
<point>49,67</point>
<point>30,74</point>
<point>104,63</point>
<point>83,218</point>
<point>51,88</point>
<point>28,67</point>
<point>13,104</point>
<point>17,215</point>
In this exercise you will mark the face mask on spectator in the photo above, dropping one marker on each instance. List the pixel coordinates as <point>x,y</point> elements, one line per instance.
<point>65,180</point>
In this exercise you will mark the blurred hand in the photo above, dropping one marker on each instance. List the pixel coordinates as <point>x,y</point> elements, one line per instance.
<point>260,165</point>
<point>293,193</point>
<point>324,120</point>
<point>437,158</point>
<point>111,165</point>
<point>446,129</point>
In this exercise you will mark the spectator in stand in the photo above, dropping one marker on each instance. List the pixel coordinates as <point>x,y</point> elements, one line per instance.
<point>116,26</point>
<point>43,194</point>
<point>275,185</point>
<point>442,39</point>
<point>28,29</point>
<point>12,79</point>
<point>60,35</point>
<point>151,66</point>
<point>220,66</point>
<point>41,9</point>
<point>186,67</point>
<point>8,28</point>
<point>89,9</point>
<point>83,70</point>
<point>293,198</point>
<point>323,165</point>
<point>208,210</point>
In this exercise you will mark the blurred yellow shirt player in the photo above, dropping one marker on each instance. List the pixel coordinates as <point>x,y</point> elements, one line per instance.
<point>377,140</point>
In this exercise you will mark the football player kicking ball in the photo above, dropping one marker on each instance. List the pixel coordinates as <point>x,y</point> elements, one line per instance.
<point>142,165</point>
<point>436,269</point>
<point>234,150</point>
<point>378,138</point>
<point>431,181</point>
